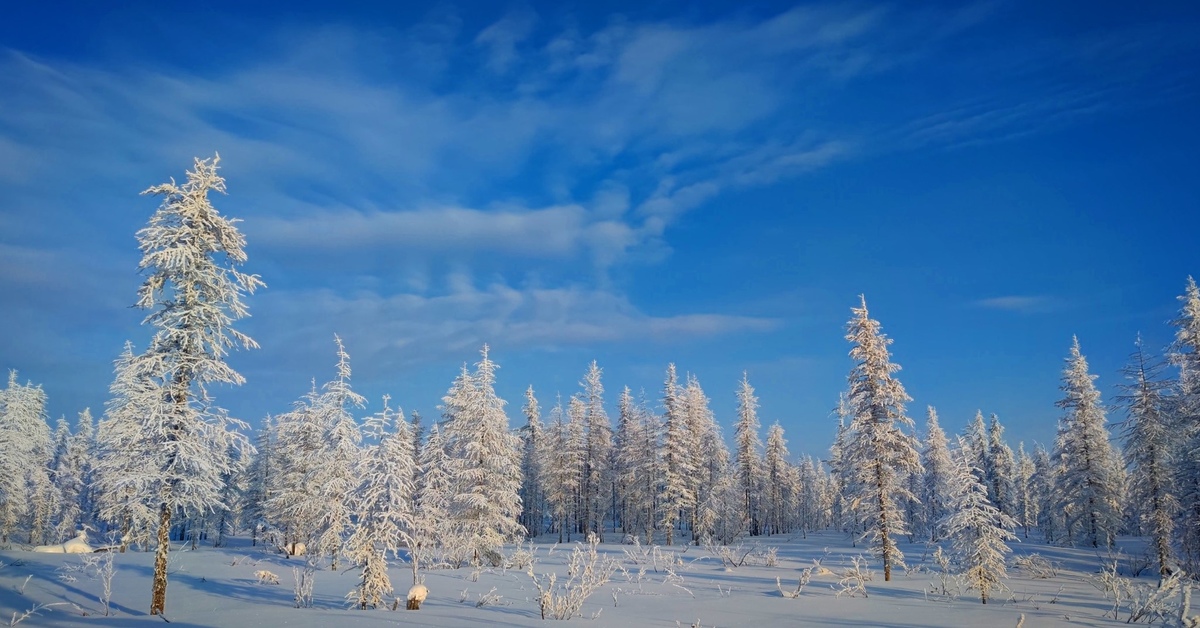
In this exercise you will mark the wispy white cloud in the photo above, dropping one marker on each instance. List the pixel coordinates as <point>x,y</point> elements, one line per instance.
<point>1024,304</point>
<point>456,322</point>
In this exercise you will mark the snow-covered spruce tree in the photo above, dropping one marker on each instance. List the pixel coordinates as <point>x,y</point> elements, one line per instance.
<point>82,453</point>
<point>1002,466</point>
<point>122,479</point>
<point>193,290</point>
<point>260,476</point>
<point>624,438</point>
<point>25,468</point>
<point>383,506</point>
<point>879,454</point>
<point>575,456</point>
<point>65,482</point>
<point>977,530</point>
<point>712,465</point>
<point>1089,487</point>
<point>531,476</point>
<point>976,441</point>
<point>1026,497</point>
<point>939,478</point>
<point>559,472</point>
<point>317,449</point>
<point>597,481</point>
<point>1185,411</point>
<point>228,516</point>
<point>1147,451</point>
<point>641,462</point>
<point>808,511</point>
<point>434,492</point>
<point>749,453</point>
<point>678,464</point>
<point>1050,520</point>
<point>842,516</point>
<point>486,462</point>
<point>913,507</point>
<point>775,480</point>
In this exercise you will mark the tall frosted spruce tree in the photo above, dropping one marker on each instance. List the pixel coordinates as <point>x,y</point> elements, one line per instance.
<point>193,290</point>
<point>485,462</point>
<point>1089,482</point>
<point>879,455</point>
<point>1185,411</point>
<point>1148,453</point>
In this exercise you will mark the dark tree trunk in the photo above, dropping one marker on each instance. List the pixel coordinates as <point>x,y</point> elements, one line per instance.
<point>158,600</point>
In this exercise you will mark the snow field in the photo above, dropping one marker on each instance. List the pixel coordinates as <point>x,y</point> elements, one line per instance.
<point>667,586</point>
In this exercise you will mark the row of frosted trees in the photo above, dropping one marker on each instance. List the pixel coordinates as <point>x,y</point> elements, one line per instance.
<point>165,461</point>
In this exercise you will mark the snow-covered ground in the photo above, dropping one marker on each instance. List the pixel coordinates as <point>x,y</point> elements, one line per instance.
<point>678,586</point>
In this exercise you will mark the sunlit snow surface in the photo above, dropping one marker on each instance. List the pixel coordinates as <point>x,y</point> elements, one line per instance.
<point>218,587</point>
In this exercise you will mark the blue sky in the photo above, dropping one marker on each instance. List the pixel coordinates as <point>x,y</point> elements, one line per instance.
<point>636,183</point>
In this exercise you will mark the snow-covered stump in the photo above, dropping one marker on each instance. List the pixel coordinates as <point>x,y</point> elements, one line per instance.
<point>416,595</point>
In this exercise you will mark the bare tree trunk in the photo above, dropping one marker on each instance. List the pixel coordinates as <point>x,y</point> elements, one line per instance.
<point>158,600</point>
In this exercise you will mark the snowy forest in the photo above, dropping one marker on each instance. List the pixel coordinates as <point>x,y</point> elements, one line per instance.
<point>324,487</point>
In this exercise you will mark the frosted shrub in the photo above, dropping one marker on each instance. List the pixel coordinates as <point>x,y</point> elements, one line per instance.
<point>730,556</point>
<point>96,567</point>
<point>1037,567</point>
<point>521,558</point>
<point>586,572</point>
<point>854,578</point>
<point>1113,586</point>
<point>303,587</point>
<point>1150,604</point>
<point>805,576</point>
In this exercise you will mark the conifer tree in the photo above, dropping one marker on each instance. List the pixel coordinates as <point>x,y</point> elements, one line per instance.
<point>486,463</point>
<point>1088,484</point>
<point>25,466</point>
<point>596,478</point>
<point>879,454</point>
<point>1185,411</point>
<point>976,442</point>
<point>259,481</point>
<point>749,453</point>
<point>642,468</point>
<point>978,531</point>
<point>1002,466</point>
<point>68,482</point>
<point>939,478</point>
<point>383,505</point>
<point>194,291</point>
<point>317,449</point>
<point>775,480</point>
<point>839,473</point>
<point>531,466</point>
<point>124,480</point>
<point>434,494</point>
<point>1147,452</point>
<point>677,496</point>
<point>711,460</point>
<point>1026,496</point>
<point>1044,493</point>
<point>625,438</point>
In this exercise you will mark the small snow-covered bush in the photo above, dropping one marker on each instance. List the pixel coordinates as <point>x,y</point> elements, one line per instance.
<point>265,577</point>
<point>586,572</point>
<point>854,578</point>
<point>1036,567</point>
<point>521,558</point>
<point>303,586</point>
